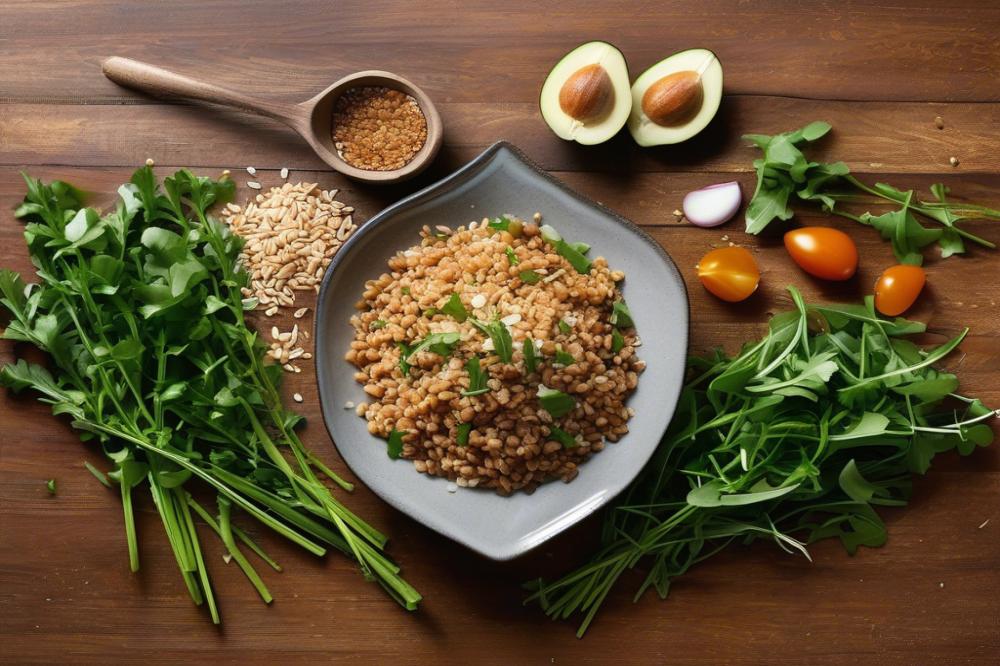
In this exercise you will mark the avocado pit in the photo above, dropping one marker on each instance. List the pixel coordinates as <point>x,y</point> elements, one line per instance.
<point>587,94</point>
<point>674,99</point>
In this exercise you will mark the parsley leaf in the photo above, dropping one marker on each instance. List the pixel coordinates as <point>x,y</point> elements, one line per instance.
<point>511,257</point>
<point>462,431</point>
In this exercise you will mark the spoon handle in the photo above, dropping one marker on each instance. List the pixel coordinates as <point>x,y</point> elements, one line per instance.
<point>160,82</point>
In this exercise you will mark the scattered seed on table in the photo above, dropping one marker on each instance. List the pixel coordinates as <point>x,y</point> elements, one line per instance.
<point>297,397</point>
<point>253,184</point>
<point>271,311</point>
<point>301,312</point>
<point>939,122</point>
<point>150,162</point>
<point>953,161</point>
<point>284,173</point>
<point>252,171</point>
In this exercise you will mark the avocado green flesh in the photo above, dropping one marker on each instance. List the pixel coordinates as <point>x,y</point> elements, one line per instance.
<point>645,131</point>
<point>608,124</point>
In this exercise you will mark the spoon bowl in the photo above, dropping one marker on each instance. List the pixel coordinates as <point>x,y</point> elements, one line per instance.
<point>312,119</point>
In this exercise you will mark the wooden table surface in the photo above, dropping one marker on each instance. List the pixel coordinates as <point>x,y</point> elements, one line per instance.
<point>879,75</point>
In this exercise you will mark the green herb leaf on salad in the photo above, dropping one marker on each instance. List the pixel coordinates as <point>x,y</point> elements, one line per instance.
<point>441,344</point>
<point>621,317</point>
<point>529,277</point>
<point>530,355</point>
<point>462,431</point>
<point>394,444</point>
<point>477,378</point>
<point>617,341</point>
<point>567,440</point>
<point>555,402</point>
<point>511,256</point>
<point>455,308</point>
<point>503,344</point>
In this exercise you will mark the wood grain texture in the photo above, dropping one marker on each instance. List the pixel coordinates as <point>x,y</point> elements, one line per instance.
<point>880,75</point>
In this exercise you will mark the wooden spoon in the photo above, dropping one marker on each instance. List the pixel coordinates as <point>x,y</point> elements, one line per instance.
<point>312,118</point>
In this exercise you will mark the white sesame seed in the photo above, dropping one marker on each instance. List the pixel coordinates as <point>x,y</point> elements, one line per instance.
<point>451,487</point>
<point>251,171</point>
<point>297,397</point>
<point>284,173</point>
<point>478,301</point>
<point>349,405</point>
<point>150,162</point>
<point>253,184</point>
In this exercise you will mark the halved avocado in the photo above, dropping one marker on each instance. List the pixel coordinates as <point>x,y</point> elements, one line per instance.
<point>586,96</point>
<point>676,98</point>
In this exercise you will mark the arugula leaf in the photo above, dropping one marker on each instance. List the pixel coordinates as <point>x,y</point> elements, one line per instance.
<point>793,440</point>
<point>503,344</point>
<point>441,344</point>
<point>555,402</point>
<point>50,485</point>
<point>784,170</point>
<point>477,378</point>
<point>455,308</point>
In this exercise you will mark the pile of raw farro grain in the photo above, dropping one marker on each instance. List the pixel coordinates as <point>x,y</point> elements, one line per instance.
<point>291,234</point>
<point>502,438</point>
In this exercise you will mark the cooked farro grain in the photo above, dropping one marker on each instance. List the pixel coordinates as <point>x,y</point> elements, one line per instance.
<point>512,441</point>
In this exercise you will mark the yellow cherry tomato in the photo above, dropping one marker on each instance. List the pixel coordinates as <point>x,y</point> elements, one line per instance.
<point>897,289</point>
<point>730,273</point>
<point>826,253</point>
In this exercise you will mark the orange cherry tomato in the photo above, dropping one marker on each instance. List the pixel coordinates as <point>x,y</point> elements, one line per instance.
<point>897,289</point>
<point>823,252</point>
<point>730,273</point>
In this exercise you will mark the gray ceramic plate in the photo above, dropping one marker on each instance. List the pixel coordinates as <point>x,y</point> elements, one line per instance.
<point>502,180</point>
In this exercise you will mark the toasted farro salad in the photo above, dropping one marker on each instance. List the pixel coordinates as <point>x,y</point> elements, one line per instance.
<point>497,355</point>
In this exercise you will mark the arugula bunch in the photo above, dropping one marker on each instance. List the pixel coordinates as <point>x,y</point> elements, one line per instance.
<point>141,312</point>
<point>784,170</point>
<point>796,439</point>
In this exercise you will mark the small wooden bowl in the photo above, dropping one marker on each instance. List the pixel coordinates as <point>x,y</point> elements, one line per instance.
<point>320,133</point>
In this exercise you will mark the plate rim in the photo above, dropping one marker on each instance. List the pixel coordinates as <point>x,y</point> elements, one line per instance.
<point>479,162</point>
